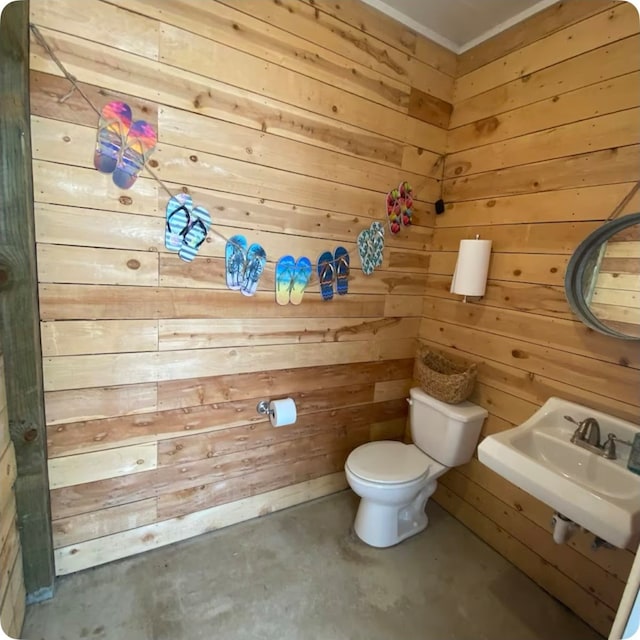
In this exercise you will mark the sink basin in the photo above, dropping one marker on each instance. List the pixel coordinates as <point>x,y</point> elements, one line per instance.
<point>600,495</point>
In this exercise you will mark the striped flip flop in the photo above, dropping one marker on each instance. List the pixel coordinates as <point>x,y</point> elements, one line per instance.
<point>235,258</point>
<point>179,209</point>
<point>195,234</point>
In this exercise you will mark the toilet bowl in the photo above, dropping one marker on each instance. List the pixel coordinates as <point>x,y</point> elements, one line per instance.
<point>394,480</point>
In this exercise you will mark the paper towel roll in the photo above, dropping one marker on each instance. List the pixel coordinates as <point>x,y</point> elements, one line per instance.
<point>472,267</point>
<point>282,412</point>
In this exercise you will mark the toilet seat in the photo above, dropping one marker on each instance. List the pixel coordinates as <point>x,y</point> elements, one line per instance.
<point>388,462</point>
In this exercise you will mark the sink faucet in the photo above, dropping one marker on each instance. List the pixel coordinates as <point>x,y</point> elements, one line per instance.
<point>588,431</point>
<point>587,436</point>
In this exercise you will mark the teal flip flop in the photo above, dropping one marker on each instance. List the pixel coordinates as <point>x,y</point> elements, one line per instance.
<point>195,234</point>
<point>326,274</point>
<point>302,275</point>
<point>256,261</point>
<point>235,258</point>
<point>285,271</point>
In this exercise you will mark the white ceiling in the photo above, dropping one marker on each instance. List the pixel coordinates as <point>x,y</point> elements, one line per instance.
<point>459,24</point>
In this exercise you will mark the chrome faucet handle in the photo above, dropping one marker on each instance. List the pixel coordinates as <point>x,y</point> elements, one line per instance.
<point>609,447</point>
<point>570,419</point>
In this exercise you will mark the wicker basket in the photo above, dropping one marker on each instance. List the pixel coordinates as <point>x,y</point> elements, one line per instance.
<point>443,379</point>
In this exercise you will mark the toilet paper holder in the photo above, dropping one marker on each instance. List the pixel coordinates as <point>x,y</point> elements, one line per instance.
<point>263,407</point>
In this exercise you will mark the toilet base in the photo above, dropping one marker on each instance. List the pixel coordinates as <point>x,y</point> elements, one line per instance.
<point>381,525</point>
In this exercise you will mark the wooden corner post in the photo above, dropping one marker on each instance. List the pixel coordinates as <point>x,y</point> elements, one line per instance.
<point>19,317</point>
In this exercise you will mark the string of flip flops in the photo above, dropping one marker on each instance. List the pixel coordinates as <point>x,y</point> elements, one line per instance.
<point>123,147</point>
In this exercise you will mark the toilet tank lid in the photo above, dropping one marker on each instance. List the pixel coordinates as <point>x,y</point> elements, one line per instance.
<point>464,411</point>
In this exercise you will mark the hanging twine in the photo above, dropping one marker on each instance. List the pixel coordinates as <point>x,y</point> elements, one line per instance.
<point>75,87</point>
<point>625,201</point>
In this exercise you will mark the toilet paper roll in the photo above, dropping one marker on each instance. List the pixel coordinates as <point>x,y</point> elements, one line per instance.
<point>472,267</point>
<point>282,412</point>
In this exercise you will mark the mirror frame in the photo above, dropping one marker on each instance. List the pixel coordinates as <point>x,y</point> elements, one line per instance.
<point>579,262</point>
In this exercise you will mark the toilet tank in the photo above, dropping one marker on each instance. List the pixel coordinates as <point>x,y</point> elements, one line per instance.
<point>446,432</point>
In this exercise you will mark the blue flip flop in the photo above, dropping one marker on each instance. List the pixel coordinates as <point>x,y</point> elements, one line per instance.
<point>285,271</point>
<point>341,256</point>
<point>256,261</point>
<point>179,209</point>
<point>302,274</point>
<point>195,234</point>
<point>235,258</point>
<point>326,274</point>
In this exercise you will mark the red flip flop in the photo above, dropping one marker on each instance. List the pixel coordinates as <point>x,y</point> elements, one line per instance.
<point>394,211</point>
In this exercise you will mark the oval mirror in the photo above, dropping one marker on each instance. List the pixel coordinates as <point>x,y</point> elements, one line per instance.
<point>602,282</point>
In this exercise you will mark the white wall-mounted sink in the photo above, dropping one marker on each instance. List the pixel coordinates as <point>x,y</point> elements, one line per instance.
<point>600,495</point>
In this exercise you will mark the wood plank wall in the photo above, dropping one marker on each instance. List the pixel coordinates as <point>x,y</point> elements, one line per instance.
<point>12,591</point>
<point>289,121</point>
<point>543,145</point>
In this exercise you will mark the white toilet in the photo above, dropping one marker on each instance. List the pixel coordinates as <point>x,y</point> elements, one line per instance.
<point>394,480</point>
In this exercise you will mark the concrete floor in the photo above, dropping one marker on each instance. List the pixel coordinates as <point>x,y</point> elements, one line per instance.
<point>301,574</point>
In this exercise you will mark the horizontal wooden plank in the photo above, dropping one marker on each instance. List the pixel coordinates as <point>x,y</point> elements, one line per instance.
<point>547,238</point>
<point>73,186</point>
<point>603,132</point>
<point>104,522</point>
<point>101,402</point>
<point>104,66</point>
<point>98,435</point>
<point>608,96</point>
<point>201,133</point>
<point>538,268</point>
<point>70,224</point>
<point>210,273</point>
<point>254,482</point>
<point>201,334</point>
<point>392,389</point>
<point>595,66</point>
<point>559,334</point>
<point>597,31</point>
<point>543,299</point>
<point>176,394</point>
<point>311,24</point>
<point>106,549</point>
<point>190,476</point>
<point>55,141</point>
<point>89,265</point>
<point>377,24</point>
<point>45,101</point>
<point>140,36</point>
<point>588,203</point>
<point>541,24</point>
<point>228,26</point>
<point>110,336</point>
<point>89,302</point>
<point>76,372</point>
<point>79,226</point>
<point>67,471</point>
<point>611,166</point>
